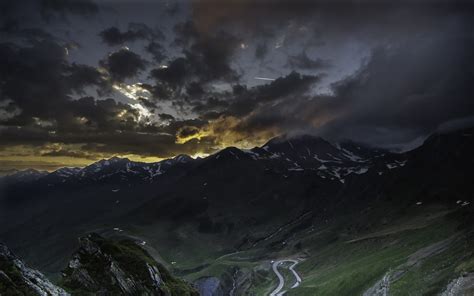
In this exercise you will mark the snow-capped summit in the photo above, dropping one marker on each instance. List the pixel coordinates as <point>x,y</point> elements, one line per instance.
<point>183,158</point>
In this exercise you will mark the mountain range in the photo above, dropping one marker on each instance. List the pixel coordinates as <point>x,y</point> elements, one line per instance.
<point>357,220</point>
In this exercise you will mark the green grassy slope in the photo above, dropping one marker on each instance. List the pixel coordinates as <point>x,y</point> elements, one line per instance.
<point>423,249</point>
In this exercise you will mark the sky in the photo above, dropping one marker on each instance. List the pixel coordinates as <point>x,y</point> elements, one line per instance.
<point>82,80</point>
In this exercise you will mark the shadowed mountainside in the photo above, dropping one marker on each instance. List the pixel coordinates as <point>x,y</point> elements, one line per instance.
<point>290,197</point>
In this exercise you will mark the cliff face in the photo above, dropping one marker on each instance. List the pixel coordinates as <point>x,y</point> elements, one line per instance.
<point>109,267</point>
<point>18,279</point>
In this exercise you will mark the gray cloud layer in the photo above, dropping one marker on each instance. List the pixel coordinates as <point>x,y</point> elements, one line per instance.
<point>417,76</point>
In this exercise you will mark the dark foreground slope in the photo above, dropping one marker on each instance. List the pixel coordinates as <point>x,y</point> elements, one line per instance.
<point>111,267</point>
<point>357,220</point>
<point>18,279</point>
<point>99,267</point>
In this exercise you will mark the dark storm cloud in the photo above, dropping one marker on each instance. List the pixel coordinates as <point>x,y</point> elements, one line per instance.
<point>211,104</point>
<point>238,89</point>
<point>263,111</point>
<point>147,103</point>
<point>400,94</point>
<point>289,87</point>
<point>210,115</point>
<point>80,76</point>
<point>417,80</point>
<point>123,64</point>
<point>39,89</point>
<point>187,131</point>
<point>407,90</point>
<point>40,92</point>
<point>159,91</point>
<point>209,57</point>
<point>136,31</point>
<point>186,32</point>
<point>98,142</point>
<point>261,51</point>
<point>303,62</point>
<point>165,116</point>
<point>84,115</point>
<point>243,101</point>
<point>206,58</point>
<point>103,115</point>
<point>38,80</point>
<point>292,84</point>
<point>419,77</point>
<point>156,50</point>
<point>174,74</point>
<point>244,116</point>
<point>153,144</point>
<point>194,89</point>
<point>68,153</point>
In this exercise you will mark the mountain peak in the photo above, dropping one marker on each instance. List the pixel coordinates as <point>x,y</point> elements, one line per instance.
<point>107,162</point>
<point>183,158</point>
<point>115,159</point>
<point>124,267</point>
<point>27,175</point>
<point>300,137</point>
<point>301,145</point>
<point>229,153</point>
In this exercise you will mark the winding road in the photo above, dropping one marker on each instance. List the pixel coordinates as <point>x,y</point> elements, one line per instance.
<point>281,280</point>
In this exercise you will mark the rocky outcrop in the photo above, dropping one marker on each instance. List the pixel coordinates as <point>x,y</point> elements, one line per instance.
<point>209,286</point>
<point>109,267</point>
<point>461,286</point>
<point>230,283</point>
<point>380,288</point>
<point>18,279</point>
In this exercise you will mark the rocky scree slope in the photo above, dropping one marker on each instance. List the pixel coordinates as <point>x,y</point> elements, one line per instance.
<point>102,266</point>
<point>99,267</point>
<point>18,279</point>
